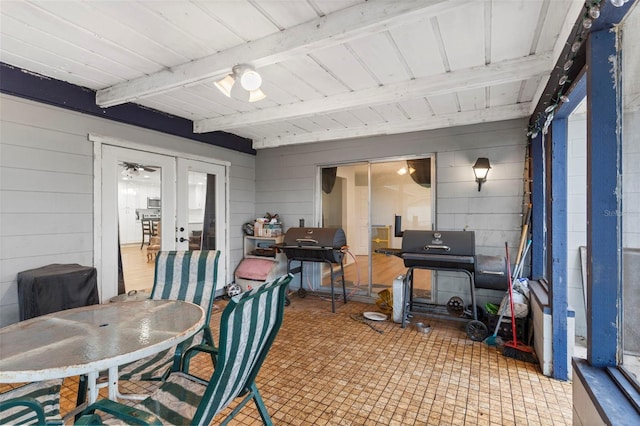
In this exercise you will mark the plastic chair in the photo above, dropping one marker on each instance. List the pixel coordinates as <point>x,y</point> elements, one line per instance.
<point>179,275</point>
<point>33,403</point>
<point>248,326</point>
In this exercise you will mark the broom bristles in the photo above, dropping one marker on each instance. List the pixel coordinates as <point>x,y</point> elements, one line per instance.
<point>494,340</point>
<point>519,351</point>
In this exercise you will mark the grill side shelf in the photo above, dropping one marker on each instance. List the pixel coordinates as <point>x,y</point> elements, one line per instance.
<point>389,251</point>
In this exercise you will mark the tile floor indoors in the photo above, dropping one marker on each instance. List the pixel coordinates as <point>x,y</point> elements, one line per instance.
<point>330,369</point>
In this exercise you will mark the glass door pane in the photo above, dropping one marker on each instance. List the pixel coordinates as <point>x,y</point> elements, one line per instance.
<point>138,216</point>
<point>345,205</point>
<point>364,200</point>
<point>399,188</point>
<point>201,213</point>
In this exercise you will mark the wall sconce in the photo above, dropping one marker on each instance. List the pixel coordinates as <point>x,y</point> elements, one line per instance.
<point>481,169</point>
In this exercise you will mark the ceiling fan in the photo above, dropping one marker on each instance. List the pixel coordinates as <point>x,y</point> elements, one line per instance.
<point>134,169</point>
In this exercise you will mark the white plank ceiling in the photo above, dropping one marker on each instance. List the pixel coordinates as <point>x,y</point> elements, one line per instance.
<point>331,69</point>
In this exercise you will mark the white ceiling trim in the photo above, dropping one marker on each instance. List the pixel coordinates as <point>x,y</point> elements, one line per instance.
<point>471,78</point>
<point>507,112</point>
<point>336,28</point>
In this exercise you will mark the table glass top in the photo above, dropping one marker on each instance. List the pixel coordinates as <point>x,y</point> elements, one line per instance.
<point>94,337</point>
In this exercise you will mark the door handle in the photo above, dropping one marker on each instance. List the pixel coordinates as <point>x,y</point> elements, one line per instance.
<point>182,240</point>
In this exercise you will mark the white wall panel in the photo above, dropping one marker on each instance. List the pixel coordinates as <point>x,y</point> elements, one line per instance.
<point>35,180</point>
<point>37,223</point>
<point>22,157</point>
<point>45,202</point>
<point>27,135</point>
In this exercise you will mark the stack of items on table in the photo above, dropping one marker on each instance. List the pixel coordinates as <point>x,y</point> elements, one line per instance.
<point>267,226</point>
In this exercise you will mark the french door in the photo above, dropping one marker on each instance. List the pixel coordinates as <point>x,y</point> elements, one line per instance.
<point>201,219</point>
<point>185,198</point>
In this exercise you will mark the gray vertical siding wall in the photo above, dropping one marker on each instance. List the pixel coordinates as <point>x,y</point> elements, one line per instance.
<point>286,181</point>
<point>46,188</point>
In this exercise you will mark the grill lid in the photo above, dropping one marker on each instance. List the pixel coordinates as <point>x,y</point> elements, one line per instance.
<point>446,243</point>
<point>333,238</point>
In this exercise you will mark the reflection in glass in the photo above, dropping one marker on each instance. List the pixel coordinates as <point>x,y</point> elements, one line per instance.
<point>139,216</point>
<point>202,209</point>
<point>364,199</point>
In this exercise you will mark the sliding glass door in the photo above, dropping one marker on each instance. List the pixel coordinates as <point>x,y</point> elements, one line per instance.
<point>365,199</point>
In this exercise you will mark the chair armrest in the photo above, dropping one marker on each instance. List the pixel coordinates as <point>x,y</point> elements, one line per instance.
<point>88,420</point>
<point>128,414</point>
<point>183,352</point>
<point>28,402</point>
<point>202,348</point>
<point>193,350</point>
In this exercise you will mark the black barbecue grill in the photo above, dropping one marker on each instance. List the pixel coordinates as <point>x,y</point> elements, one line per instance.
<point>315,245</point>
<point>449,251</point>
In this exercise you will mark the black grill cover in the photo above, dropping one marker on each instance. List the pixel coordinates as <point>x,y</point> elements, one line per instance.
<point>314,244</point>
<point>55,288</point>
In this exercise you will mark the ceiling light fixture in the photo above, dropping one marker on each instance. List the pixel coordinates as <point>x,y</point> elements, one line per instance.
<point>250,80</point>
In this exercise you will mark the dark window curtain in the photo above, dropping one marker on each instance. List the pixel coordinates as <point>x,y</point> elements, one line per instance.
<point>328,179</point>
<point>121,287</point>
<point>209,222</point>
<point>420,171</point>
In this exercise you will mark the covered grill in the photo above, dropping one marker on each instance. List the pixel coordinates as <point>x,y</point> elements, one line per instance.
<point>315,245</point>
<point>453,250</point>
<point>450,251</point>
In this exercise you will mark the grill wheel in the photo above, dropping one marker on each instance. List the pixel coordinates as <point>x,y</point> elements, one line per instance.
<point>477,330</point>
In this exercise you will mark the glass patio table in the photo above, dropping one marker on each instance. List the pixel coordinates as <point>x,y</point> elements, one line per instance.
<point>94,338</point>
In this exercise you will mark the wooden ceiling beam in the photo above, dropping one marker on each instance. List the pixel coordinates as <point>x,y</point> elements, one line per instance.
<point>507,112</point>
<point>336,28</point>
<point>471,78</point>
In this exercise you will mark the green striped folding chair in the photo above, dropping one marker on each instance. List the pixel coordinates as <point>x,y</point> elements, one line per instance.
<point>34,403</point>
<point>179,275</point>
<point>248,326</point>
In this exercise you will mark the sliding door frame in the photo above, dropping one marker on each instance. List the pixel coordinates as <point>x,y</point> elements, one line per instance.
<point>369,163</point>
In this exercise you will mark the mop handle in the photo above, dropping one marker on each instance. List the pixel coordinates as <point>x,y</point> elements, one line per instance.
<point>518,269</point>
<point>513,315</point>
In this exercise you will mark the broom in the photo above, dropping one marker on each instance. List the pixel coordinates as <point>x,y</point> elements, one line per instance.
<point>514,349</point>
